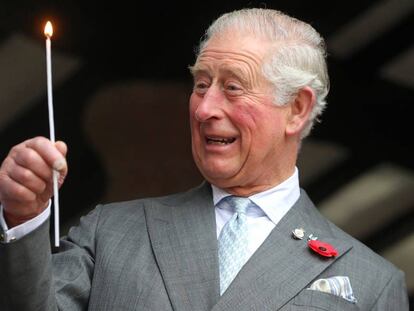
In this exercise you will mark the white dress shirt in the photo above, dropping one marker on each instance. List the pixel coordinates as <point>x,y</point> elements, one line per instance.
<point>271,206</point>
<point>21,230</point>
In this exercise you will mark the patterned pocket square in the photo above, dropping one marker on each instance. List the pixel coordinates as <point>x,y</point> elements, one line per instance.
<point>337,285</point>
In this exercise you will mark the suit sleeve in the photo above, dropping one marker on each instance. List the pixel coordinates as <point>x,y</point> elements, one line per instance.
<point>32,279</point>
<point>394,295</point>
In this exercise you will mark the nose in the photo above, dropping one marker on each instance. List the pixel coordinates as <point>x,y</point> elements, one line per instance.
<point>210,106</point>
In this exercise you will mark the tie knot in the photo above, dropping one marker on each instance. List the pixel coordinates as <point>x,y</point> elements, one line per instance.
<point>240,204</point>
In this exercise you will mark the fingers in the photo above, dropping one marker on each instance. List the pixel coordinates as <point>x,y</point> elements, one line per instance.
<point>26,176</point>
<point>13,191</point>
<point>28,158</point>
<point>49,152</point>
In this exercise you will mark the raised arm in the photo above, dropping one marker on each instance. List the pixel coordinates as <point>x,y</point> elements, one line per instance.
<point>26,178</point>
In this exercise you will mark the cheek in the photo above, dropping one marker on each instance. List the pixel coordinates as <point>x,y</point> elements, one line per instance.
<point>192,107</point>
<point>260,127</point>
<point>249,119</point>
<point>243,115</point>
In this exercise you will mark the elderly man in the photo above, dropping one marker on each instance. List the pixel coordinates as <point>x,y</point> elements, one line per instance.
<point>260,82</point>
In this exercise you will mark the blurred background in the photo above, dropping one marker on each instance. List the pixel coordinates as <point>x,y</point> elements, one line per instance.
<point>121,88</point>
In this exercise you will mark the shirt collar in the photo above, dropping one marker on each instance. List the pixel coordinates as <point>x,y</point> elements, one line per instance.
<point>274,202</point>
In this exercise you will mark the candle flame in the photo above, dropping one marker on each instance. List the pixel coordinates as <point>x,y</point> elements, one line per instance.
<point>48,29</point>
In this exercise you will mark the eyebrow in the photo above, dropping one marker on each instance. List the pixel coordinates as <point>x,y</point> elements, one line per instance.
<point>197,69</point>
<point>232,71</point>
<point>237,73</point>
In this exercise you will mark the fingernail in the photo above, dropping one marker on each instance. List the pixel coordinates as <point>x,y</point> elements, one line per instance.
<point>59,164</point>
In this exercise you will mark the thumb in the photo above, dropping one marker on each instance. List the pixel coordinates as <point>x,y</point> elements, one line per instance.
<point>63,149</point>
<point>61,146</point>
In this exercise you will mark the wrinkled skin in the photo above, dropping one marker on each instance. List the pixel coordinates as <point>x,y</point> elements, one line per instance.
<point>241,140</point>
<point>26,178</point>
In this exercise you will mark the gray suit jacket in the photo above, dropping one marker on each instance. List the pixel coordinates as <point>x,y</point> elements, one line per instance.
<point>161,254</point>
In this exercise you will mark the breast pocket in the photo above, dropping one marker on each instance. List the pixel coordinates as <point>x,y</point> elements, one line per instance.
<point>315,300</point>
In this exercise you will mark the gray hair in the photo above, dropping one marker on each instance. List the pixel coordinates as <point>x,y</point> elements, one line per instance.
<point>298,62</point>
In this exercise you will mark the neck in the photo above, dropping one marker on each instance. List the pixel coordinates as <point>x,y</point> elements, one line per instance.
<point>254,188</point>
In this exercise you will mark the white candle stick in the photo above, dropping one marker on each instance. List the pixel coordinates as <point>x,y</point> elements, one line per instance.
<point>49,33</point>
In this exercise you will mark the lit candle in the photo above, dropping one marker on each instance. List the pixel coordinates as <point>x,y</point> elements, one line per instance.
<point>48,33</point>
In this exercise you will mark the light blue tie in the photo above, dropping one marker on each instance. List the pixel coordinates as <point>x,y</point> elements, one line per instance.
<point>232,242</point>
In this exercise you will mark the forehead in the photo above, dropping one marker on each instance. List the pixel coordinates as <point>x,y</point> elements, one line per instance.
<point>232,53</point>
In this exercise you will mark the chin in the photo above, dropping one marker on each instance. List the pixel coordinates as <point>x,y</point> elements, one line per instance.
<point>214,168</point>
<point>219,178</point>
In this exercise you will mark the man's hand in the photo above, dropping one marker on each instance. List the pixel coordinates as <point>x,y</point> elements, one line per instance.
<point>26,178</point>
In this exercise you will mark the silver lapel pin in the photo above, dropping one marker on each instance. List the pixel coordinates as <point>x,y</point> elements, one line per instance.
<point>298,234</point>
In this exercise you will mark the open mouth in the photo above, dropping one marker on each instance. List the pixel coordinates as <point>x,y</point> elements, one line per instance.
<point>219,140</point>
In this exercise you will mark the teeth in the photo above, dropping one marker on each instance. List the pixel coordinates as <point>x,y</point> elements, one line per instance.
<point>220,141</point>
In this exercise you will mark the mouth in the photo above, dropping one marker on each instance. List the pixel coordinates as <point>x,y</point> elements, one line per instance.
<point>219,140</point>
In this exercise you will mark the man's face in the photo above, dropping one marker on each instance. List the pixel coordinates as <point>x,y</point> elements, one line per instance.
<point>238,133</point>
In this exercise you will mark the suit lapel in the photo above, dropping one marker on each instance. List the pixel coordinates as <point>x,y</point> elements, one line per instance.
<point>182,231</point>
<point>282,266</point>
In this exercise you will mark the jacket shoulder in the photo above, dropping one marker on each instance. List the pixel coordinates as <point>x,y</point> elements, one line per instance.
<point>135,208</point>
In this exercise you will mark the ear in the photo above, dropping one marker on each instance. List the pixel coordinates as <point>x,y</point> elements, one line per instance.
<point>300,110</point>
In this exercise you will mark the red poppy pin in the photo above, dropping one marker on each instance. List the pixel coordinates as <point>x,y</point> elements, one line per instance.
<point>322,248</point>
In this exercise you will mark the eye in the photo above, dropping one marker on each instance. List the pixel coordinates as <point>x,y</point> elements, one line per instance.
<point>234,88</point>
<point>201,87</point>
